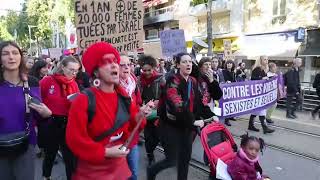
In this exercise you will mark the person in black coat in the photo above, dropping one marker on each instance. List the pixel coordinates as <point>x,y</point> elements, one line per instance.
<point>316,84</point>
<point>177,120</point>
<point>228,72</point>
<point>229,77</point>
<point>292,82</point>
<point>241,72</point>
<point>209,88</point>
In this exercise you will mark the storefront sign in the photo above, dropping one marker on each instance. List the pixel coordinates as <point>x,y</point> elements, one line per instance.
<point>119,22</point>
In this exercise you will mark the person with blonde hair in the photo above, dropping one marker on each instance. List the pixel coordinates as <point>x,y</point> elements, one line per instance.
<point>259,72</point>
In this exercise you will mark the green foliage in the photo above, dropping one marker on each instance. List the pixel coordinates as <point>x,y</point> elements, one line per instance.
<point>197,2</point>
<point>39,12</point>
<point>43,14</point>
<point>4,34</point>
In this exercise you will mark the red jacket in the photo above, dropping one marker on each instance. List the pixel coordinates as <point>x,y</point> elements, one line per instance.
<point>51,94</point>
<point>80,134</point>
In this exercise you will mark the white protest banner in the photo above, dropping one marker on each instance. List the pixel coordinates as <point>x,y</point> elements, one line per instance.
<point>119,22</point>
<point>172,42</point>
<point>55,53</point>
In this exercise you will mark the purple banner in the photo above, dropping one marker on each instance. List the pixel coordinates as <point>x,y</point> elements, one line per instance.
<point>241,98</point>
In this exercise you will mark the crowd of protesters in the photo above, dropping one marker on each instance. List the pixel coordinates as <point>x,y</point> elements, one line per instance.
<point>87,106</point>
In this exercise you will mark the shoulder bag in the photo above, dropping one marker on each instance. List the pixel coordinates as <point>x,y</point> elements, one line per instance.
<point>16,143</point>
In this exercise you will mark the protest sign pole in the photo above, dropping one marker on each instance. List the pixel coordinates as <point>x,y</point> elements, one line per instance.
<point>139,119</point>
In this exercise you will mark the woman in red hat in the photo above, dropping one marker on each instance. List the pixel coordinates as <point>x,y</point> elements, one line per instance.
<point>101,159</point>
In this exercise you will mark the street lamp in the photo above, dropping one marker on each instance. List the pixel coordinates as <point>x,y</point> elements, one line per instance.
<point>30,26</point>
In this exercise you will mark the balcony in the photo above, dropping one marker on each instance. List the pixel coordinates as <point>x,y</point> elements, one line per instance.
<point>217,7</point>
<point>159,15</point>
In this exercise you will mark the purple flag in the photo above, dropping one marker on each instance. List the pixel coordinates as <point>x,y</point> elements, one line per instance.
<point>241,98</point>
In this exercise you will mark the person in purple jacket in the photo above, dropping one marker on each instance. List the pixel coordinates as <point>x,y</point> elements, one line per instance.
<point>17,165</point>
<point>245,165</point>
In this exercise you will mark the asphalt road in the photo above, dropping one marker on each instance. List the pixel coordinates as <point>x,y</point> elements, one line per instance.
<point>279,165</point>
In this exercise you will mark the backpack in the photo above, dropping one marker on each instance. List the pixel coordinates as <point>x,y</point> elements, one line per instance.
<point>122,116</point>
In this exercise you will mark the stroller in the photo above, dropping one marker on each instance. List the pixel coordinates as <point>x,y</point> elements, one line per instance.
<point>218,143</point>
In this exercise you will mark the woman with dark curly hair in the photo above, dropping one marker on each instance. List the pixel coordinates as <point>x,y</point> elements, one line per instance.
<point>39,69</point>
<point>149,85</point>
<point>229,77</point>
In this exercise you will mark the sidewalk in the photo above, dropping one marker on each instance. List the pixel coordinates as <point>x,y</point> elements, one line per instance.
<point>304,122</point>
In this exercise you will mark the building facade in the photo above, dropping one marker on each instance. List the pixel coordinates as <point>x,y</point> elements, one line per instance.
<point>280,29</point>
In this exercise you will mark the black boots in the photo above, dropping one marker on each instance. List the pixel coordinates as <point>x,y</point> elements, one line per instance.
<point>290,114</point>
<point>265,128</point>
<point>251,124</point>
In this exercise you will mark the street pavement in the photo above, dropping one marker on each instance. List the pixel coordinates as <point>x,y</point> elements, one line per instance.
<point>58,172</point>
<point>279,165</point>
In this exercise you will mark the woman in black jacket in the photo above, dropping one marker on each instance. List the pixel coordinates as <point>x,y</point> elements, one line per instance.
<point>209,88</point>
<point>259,72</point>
<point>229,77</point>
<point>179,106</point>
<point>241,72</point>
<point>39,70</point>
<point>228,72</point>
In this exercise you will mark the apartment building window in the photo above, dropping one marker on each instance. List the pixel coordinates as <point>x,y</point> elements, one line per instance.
<point>152,34</point>
<point>279,11</point>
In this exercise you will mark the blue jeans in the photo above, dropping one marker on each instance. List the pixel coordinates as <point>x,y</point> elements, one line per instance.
<point>133,162</point>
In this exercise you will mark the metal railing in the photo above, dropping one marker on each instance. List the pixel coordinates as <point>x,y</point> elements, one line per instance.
<point>309,97</point>
<point>159,11</point>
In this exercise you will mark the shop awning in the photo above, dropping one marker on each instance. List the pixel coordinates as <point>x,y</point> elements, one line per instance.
<point>278,46</point>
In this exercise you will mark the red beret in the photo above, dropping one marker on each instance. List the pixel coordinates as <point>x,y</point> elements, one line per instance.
<point>92,57</point>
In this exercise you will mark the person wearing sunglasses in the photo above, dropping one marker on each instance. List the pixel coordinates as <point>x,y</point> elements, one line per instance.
<point>54,91</point>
